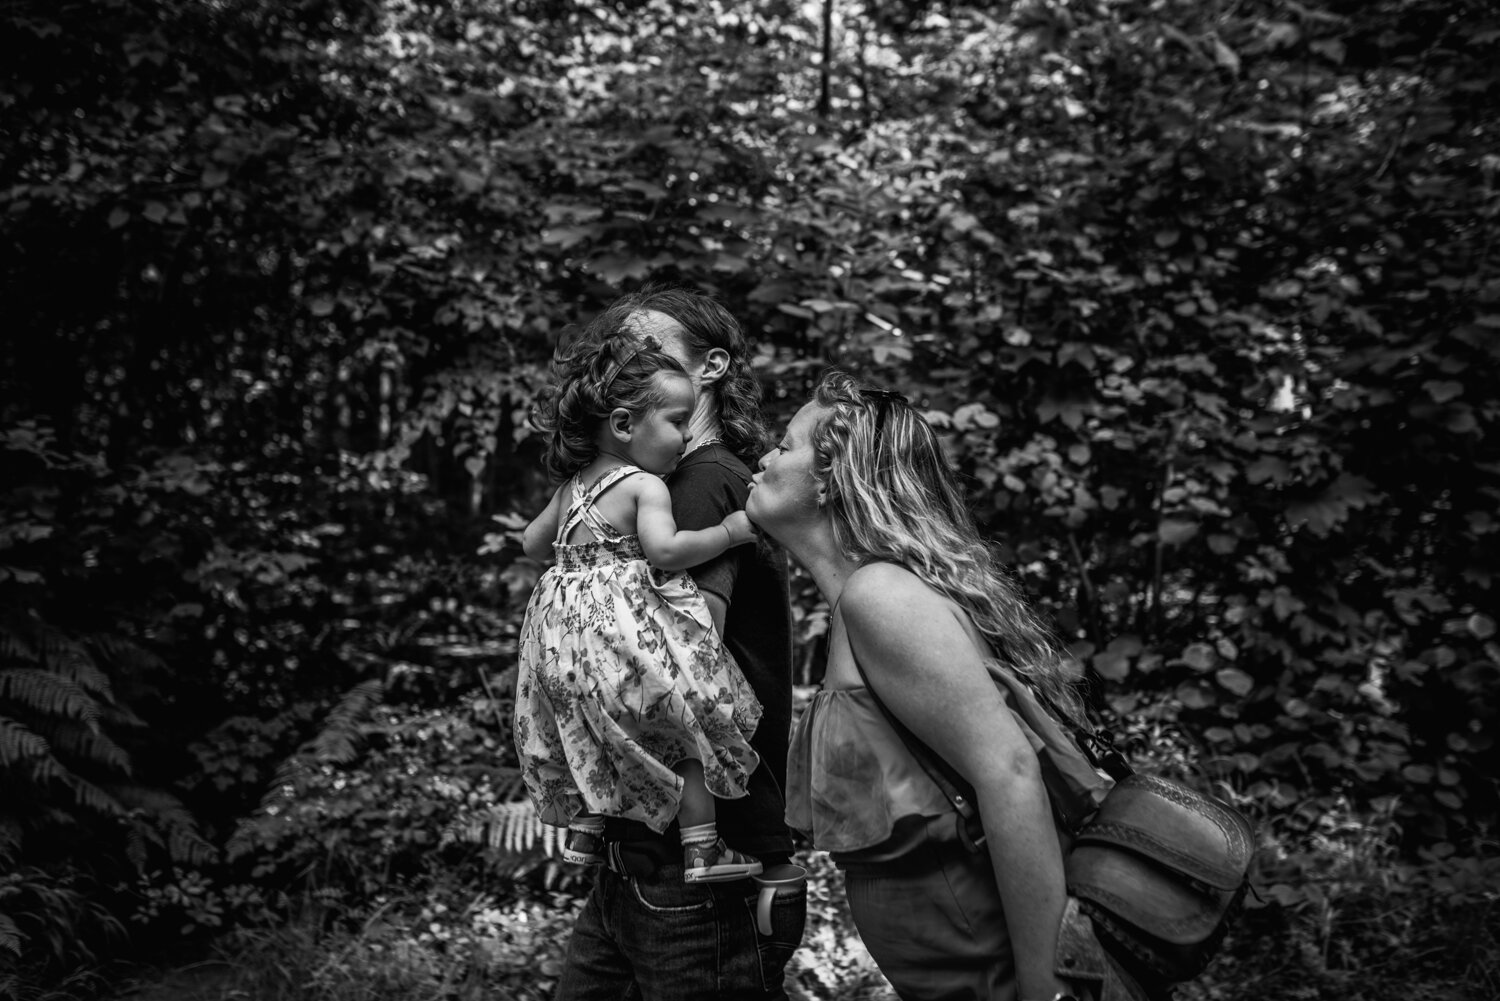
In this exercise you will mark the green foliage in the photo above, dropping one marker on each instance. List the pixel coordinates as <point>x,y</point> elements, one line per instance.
<point>1348,917</point>
<point>432,795</point>
<point>56,918</point>
<point>66,779</point>
<point>452,943</point>
<point>1205,296</point>
<point>832,963</point>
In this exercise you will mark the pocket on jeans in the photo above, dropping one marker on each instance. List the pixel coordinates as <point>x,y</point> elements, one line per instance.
<point>788,921</point>
<point>672,896</point>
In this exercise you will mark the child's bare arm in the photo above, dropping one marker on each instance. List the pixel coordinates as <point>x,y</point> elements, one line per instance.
<point>538,537</point>
<point>670,549</point>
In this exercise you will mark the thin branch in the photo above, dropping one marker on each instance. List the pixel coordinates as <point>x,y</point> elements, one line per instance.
<point>825,99</point>
<point>1086,584</point>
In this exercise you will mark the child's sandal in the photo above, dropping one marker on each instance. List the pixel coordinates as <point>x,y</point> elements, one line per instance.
<point>583,847</point>
<point>716,862</point>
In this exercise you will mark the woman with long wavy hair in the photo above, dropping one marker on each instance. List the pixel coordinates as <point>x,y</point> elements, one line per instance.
<point>860,493</point>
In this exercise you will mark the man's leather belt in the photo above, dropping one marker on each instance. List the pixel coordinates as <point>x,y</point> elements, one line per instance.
<point>639,859</point>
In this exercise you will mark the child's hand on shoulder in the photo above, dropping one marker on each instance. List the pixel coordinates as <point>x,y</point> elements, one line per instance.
<point>740,529</point>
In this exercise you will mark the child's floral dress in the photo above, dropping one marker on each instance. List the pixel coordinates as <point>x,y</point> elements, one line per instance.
<point>622,675</point>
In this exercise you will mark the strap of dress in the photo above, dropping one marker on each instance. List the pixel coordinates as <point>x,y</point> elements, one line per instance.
<point>582,509</point>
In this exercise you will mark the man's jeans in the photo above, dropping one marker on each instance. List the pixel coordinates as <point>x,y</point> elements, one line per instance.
<point>677,941</point>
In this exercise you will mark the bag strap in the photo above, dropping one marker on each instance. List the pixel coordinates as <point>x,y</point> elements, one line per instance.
<point>955,787</point>
<point>1097,745</point>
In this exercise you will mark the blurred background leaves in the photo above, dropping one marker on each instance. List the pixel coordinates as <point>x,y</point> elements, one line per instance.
<point>1204,296</point>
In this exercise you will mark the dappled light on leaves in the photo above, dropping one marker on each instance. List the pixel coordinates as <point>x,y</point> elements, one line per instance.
<point>1203,299</point>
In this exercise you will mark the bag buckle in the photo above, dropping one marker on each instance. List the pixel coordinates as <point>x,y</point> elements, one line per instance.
<point>1099,745</point>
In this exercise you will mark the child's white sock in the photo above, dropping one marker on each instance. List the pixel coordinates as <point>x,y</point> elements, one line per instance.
<point>589,823</point>
<point>700,834</point>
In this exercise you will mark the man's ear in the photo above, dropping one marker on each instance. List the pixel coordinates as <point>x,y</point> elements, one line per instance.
<point>715,364</point>
<point>621,424</point>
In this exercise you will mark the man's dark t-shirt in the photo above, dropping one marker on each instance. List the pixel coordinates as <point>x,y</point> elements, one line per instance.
<point>709,484</point>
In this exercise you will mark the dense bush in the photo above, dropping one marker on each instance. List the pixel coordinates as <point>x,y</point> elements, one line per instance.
<point>1205,296</point>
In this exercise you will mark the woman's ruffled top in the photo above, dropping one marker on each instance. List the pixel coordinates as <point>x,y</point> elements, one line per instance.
<point>849,777</point>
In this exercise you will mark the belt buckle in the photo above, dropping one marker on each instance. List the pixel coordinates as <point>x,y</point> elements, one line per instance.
<point>614,859</point>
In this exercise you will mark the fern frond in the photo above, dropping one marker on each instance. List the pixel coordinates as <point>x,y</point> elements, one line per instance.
<point>518,827</point>
<point>507,827</point>
<point>10,936</point>
<point>14,647</point>
<point>72,660</point>
<point>241,842</point>
<point>84,744</point>
<point>189,846</point>
<point>118,714</point>
<point>167,813</point>
<point>86,794</point>
<point>52,641</point>
<point>552,840</point>
<point>11,834</point>
<point>18,743</point>
<point>135,846</point>
<point>124,654</point>
<point>38,691</point>
<point>338,741</point>
<point>161,819</point>
<point>45,769</point>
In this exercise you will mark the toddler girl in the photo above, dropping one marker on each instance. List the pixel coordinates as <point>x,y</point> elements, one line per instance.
<point>628,704</point>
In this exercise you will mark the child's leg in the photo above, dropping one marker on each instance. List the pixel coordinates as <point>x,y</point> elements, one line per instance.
<point>705,857</point>
<point>585,843</point>
<point>697,804</point>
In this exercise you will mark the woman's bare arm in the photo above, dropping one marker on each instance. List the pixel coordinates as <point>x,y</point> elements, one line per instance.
<point>925,666</point>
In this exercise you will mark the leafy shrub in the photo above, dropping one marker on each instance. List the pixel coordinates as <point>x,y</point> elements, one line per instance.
<point>831,963</point>
<point>446,943</point>
<point>78,813</point>
<point>430,794</point>
<point>1346,919</point>
<point>58,918</point>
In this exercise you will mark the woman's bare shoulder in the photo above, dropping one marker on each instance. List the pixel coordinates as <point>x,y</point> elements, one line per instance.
<point>901,627</point>
<point>888,594</point>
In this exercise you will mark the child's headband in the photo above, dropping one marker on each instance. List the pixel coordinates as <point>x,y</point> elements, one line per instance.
<point>621,367</point>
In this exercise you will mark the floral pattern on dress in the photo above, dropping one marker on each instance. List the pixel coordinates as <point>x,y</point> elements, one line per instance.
<point>623,675</point>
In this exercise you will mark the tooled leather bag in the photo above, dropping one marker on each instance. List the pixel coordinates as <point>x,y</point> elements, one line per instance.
<point>1161,868</point>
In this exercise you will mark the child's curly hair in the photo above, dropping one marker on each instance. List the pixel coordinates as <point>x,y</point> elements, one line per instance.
<point>590,379</point>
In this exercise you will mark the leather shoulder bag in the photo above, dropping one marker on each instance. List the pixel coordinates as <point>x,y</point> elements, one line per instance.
<point>1159,867</point>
